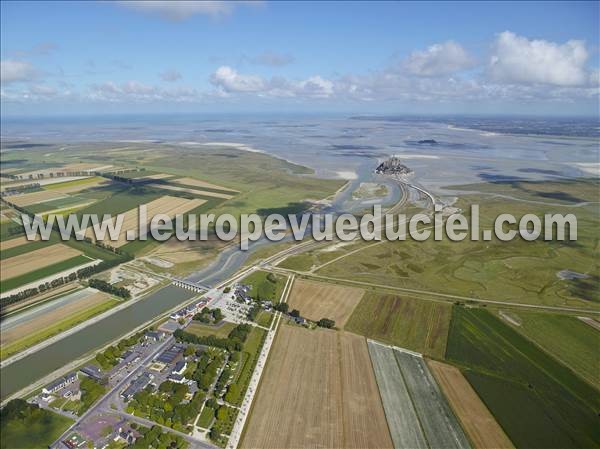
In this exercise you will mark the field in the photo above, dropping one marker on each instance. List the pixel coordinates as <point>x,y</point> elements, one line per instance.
<point>401,416</point>
<point>27,199</point>
<point>52,322</point>
<point>479,424</point>
<point>13,243</point>
<point>35,260</point>
<point>316,300</point>
<point>31,429</point>
<point>538,401</point>
<point>203,330</point>
<point>204,184</point>
<point>318,390</point>
<point>168,205</point>
<point>517,271</point>
<point>265,286</point>
<point>417,325</point>
<point>567,338</point>
<point>192,191</point>
<point>437,419</point>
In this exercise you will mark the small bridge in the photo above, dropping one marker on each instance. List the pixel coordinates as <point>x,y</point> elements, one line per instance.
<point>188,285</point>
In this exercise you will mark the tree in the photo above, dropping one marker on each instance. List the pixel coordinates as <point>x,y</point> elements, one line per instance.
<point>282,307</point>
<point>214,434</point>
<point>212,403</point>
<point>295,313</point>
<point>326,322</point>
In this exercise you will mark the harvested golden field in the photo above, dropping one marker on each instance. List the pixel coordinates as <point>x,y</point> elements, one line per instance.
<point>18,241</point>
<point>477,421</point>
<point>63,312</point>
<point>192,191</point>
<point>27,199</point>
<point>168,205</point>
<point>316,300</point>
<point>318,390</point>
<point>34,260</point>
<point>206,185</point>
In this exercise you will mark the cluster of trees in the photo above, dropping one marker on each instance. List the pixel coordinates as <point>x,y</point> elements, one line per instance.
<point>209,364</point>
<point>225,417</point>
<point>156,438</point>
<point>326,322</point>
<point>207,315</point>
<point>166,406</point>
<point>253,312</point>
<point>233,342</point>
<point>110,356</point>
<point>282,307</point>
<point>109,288</point>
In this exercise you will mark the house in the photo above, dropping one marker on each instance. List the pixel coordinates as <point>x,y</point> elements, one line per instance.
<point>154,336</point>
<point>137,385</point>
<point>172,354</point>
<point>180,367</point>
<point>127,436</point>
<point>177,378</point>
<point>93,371</point>
<point>60,383</point>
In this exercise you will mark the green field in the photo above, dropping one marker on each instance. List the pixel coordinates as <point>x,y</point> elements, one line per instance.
<point>121,199</point>
<point>61,203</point>
<point>263,288</point>
<point>32,276</point>
<point>29,427</point>
<point>417,325</point>
<point>203,330</point>
<point>517,271</point>
<point>570,340</point>
<point>538,401</point>
<point>206,417</point>
<point>75,182</point>
<point>27,247</point>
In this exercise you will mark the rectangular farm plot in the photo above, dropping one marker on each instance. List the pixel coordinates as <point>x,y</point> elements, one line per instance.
<point>65,312</point>
<point>316,300</point>
<point>36,260</point>
<point>15,242</point>
<point>207,185</point>
<point>168,205</point>
<point>318,390</point>
<point>401,416</point>
<point>441,427</point>
<point>27,199</point>
<point>421,326</point>
<point>192,191</point>
<point>483,430</point>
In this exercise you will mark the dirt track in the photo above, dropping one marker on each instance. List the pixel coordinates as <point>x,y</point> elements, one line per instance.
<point>316,300</point>
<point>318,390</point>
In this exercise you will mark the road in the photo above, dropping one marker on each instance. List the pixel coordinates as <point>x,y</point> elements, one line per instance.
<point>101,404</point>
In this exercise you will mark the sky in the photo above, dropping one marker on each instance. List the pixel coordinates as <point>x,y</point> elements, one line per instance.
<point>523,58</point>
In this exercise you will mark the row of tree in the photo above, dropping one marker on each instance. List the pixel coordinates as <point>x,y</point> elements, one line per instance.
<point>109,288</point>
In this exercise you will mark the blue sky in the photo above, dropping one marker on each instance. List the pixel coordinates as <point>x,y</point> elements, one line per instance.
<point>367,57</point>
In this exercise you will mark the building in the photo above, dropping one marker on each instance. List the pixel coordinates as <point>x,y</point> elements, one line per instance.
<point>154,336</point>
<point>180,367</point>
<point>94,372</point>
<point>137,385</point>
<point>177,378</point>
<point>60,383</point>
<point>126,436</point>
<point>169,327</point>
<point>173,354</point>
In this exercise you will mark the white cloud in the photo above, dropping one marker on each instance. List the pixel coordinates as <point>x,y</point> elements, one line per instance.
<point>438,60</point>
<point>230,80</point>
<point>180,10</point>
<point>516,59</point>
<point>170,76</point>
<point>12,71</point>
<point>134,91</point>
